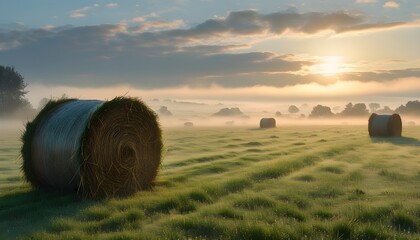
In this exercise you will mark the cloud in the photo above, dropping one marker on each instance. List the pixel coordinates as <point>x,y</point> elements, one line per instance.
<point>283,78</point>
<point>239,25</point>
<point>159,25</point>
<point>101,55</point>
<point>391,4</point>
<point>159,54</point>
<point>251,24</point>
<point>15,38</point>
<point>49,27</point>
<point>78,13</point>
<point>140,19</point>
<point>366,1</point>
<point>111,5</point>
<point>382,76</point>
<point>137,19</point>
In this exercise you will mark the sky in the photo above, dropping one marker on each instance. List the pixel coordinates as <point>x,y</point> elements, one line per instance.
<point>205,50</point>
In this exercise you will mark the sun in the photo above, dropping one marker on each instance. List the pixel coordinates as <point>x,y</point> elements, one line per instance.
<point>329,66</point>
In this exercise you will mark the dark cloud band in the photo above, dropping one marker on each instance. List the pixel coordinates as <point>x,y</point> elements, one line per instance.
<point>107,54</point>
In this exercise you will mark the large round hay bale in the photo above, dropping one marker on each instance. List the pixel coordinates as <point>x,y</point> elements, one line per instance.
<point>267,123</point>
<point>99,149</point>
<point>385,125</point>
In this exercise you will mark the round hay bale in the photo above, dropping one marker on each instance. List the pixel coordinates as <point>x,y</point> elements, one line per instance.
<point>267,123</point>
<point>385,125</point>
<point>230,123</point>
<point>188,124</point>
<point>99,149</point>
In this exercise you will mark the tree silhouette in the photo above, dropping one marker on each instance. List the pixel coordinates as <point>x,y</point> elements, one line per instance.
<point>12,90</point>
<point>164,111</point>
<point>358,109</point>
<point>293,109</point>
<point>228,112</point>
<point>411,108</point>
<point>374,106</point>
<point>320,111</point>
<point>385,110</point>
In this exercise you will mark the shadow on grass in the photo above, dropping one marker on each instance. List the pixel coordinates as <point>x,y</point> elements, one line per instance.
<point>402,141</point>
<point>27,211</point>
<point>257,129</point>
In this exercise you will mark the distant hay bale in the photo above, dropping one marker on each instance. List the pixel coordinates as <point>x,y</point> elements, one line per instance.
<point>188,124</point>
<point>267,123</point>
<point>385,125</point>
<point>230,123</point>
<point>99,149</point>
<point>411,123</point>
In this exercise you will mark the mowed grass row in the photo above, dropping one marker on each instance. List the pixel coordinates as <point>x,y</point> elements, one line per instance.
<point>293,182</point>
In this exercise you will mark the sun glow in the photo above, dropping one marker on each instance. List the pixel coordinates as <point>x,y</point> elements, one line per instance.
<point>329,66</point>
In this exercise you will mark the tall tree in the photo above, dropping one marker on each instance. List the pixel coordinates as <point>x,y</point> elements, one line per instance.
<point>12,90</point>
<point>358,109</point>
<point>411,108</point>
<point>293,109</point>
<point>320,111</point>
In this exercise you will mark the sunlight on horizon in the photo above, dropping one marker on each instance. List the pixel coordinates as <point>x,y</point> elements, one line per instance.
<point>335,91</point>
<point>329,66</point>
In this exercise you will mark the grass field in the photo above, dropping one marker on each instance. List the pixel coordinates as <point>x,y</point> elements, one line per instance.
<point>292,182</point>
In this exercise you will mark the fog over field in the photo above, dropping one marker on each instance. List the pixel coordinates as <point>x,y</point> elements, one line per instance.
<point>11,124</point>
<point>202,113</point>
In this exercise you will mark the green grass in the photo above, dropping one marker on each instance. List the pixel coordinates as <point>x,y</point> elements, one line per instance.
<point>292,182</point>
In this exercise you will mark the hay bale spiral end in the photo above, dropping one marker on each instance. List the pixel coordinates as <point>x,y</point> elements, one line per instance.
<point>99,149</point>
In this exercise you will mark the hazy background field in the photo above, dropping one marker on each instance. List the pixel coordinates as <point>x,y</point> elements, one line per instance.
<point>238,182</point>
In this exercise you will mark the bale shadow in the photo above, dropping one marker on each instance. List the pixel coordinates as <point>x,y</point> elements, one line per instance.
<point>402,141</point>
<point>261,129</point>
<point>258,129</point>
<point>28,211</point>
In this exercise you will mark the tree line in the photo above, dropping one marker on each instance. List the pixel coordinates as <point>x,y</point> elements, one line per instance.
<point>12,91</point>
<point>361,110</point>
<point>12,98</point>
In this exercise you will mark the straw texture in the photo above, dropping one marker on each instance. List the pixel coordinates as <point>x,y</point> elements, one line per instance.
<point>385,125</point>
<point>99,149</point>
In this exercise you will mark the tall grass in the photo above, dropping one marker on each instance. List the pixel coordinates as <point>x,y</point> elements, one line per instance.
<point>297,182</point>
